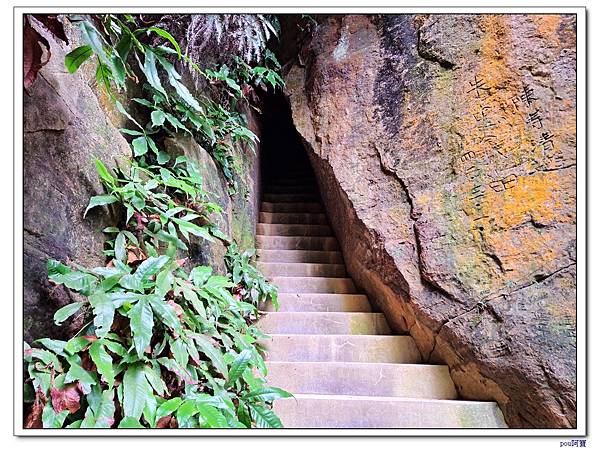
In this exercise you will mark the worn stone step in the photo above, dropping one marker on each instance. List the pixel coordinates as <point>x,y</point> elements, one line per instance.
<point>299,256</point>
<point>296,207</point>
<point>323,285</point>
<point>293,218</point>
<point>296,242</point>
<point>321,303</point>
<point>342,348</point>
<point>324,323</point>
<point>353,378</point>
<point>348,411</point>
<point>293,229</point>
<point>302,270</point>
<point>298,196</point>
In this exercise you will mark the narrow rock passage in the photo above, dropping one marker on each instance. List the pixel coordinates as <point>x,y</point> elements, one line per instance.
<point>339,358</point>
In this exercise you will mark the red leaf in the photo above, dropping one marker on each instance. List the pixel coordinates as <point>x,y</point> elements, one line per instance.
<point>34,418</point>
<point>32,54</point>
<point>53,25</point>
<point>67,398</point>
<point>178,309</point>
<point>181,262</point>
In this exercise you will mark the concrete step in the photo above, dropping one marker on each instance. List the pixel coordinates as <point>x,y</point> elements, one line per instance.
<point>298,196</point>
<point>296,242</point>
<point>293,218</point>
<point>354,378</point>
<point>321,303</point>
<point>325,285</point>
<point>342,348</point>
<point>295,207</point>
<point>347,411</point>
<point>323,323</point>
<point>293,229</point>
<point>302,270</point>
<point>300,256</point>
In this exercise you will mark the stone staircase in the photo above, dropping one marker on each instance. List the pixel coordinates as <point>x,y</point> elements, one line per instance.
<point>340,360</point>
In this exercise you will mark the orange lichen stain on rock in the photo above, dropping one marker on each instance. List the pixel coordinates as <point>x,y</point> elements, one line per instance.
<point>523,254</point>
<point>535,197</point>
<point>547,26</point>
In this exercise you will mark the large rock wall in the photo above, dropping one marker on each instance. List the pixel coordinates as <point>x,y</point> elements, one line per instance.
<point>65,127</point>
<point>444,147</point>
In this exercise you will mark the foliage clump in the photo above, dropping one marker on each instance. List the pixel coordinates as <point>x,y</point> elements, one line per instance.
<point>164,345</point>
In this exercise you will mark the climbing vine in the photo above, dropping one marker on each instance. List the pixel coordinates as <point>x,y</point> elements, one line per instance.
<point>164,345</point>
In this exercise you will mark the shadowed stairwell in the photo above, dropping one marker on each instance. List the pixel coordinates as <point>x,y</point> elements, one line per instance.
<point>343,364</point>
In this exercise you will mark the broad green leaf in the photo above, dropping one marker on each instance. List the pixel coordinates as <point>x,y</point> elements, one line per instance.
<point>141,324</point>
<point>96,42</point>
<point>67,311</point>
<point>264,417</point>
<point>76,344</point>
<point>151,266</point>
<point>200,274</point>
<point>266,394</point>
<point>55,267</point>
<point>185,411</point>
<point>179,351</point>
<point>123,47</point>
<point>77,57</point>
<point>104,173</point>
<point>181,90</point>
<point>100,200</point>
<point>136,391</point>
<point>163,157</point>
<point>149,412</point>
<point>153,376</point>
<point>243,414</point>
<point>192,228</point>
<point>238,366</point>
<point>101,411</point>
<point>104,312</point>
<point>158,118</point>
<point>168,407</point>
<point>181,372</point>
<point>140,146</point>
<point>212,416</point>
<point>130,422</point>
<point>120,250</point>
<point>103,361</point>
<point>52,419</point>
<point>103,76</point>
<point>214,354</point>
<point>165,312</point>
<point>78,373</point>
<point>48,358</point>
<point>149,69</point>
<point>164,282</point>
<point>168,37</point>
<point>123,111</point>
<point>53,345</point>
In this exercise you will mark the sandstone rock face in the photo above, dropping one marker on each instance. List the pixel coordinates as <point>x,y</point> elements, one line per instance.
<point>444,147</point>
<point>239,211</point>
<point>65,127</point>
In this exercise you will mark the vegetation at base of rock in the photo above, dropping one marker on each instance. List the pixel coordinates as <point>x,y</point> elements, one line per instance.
<point>163,346</point>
